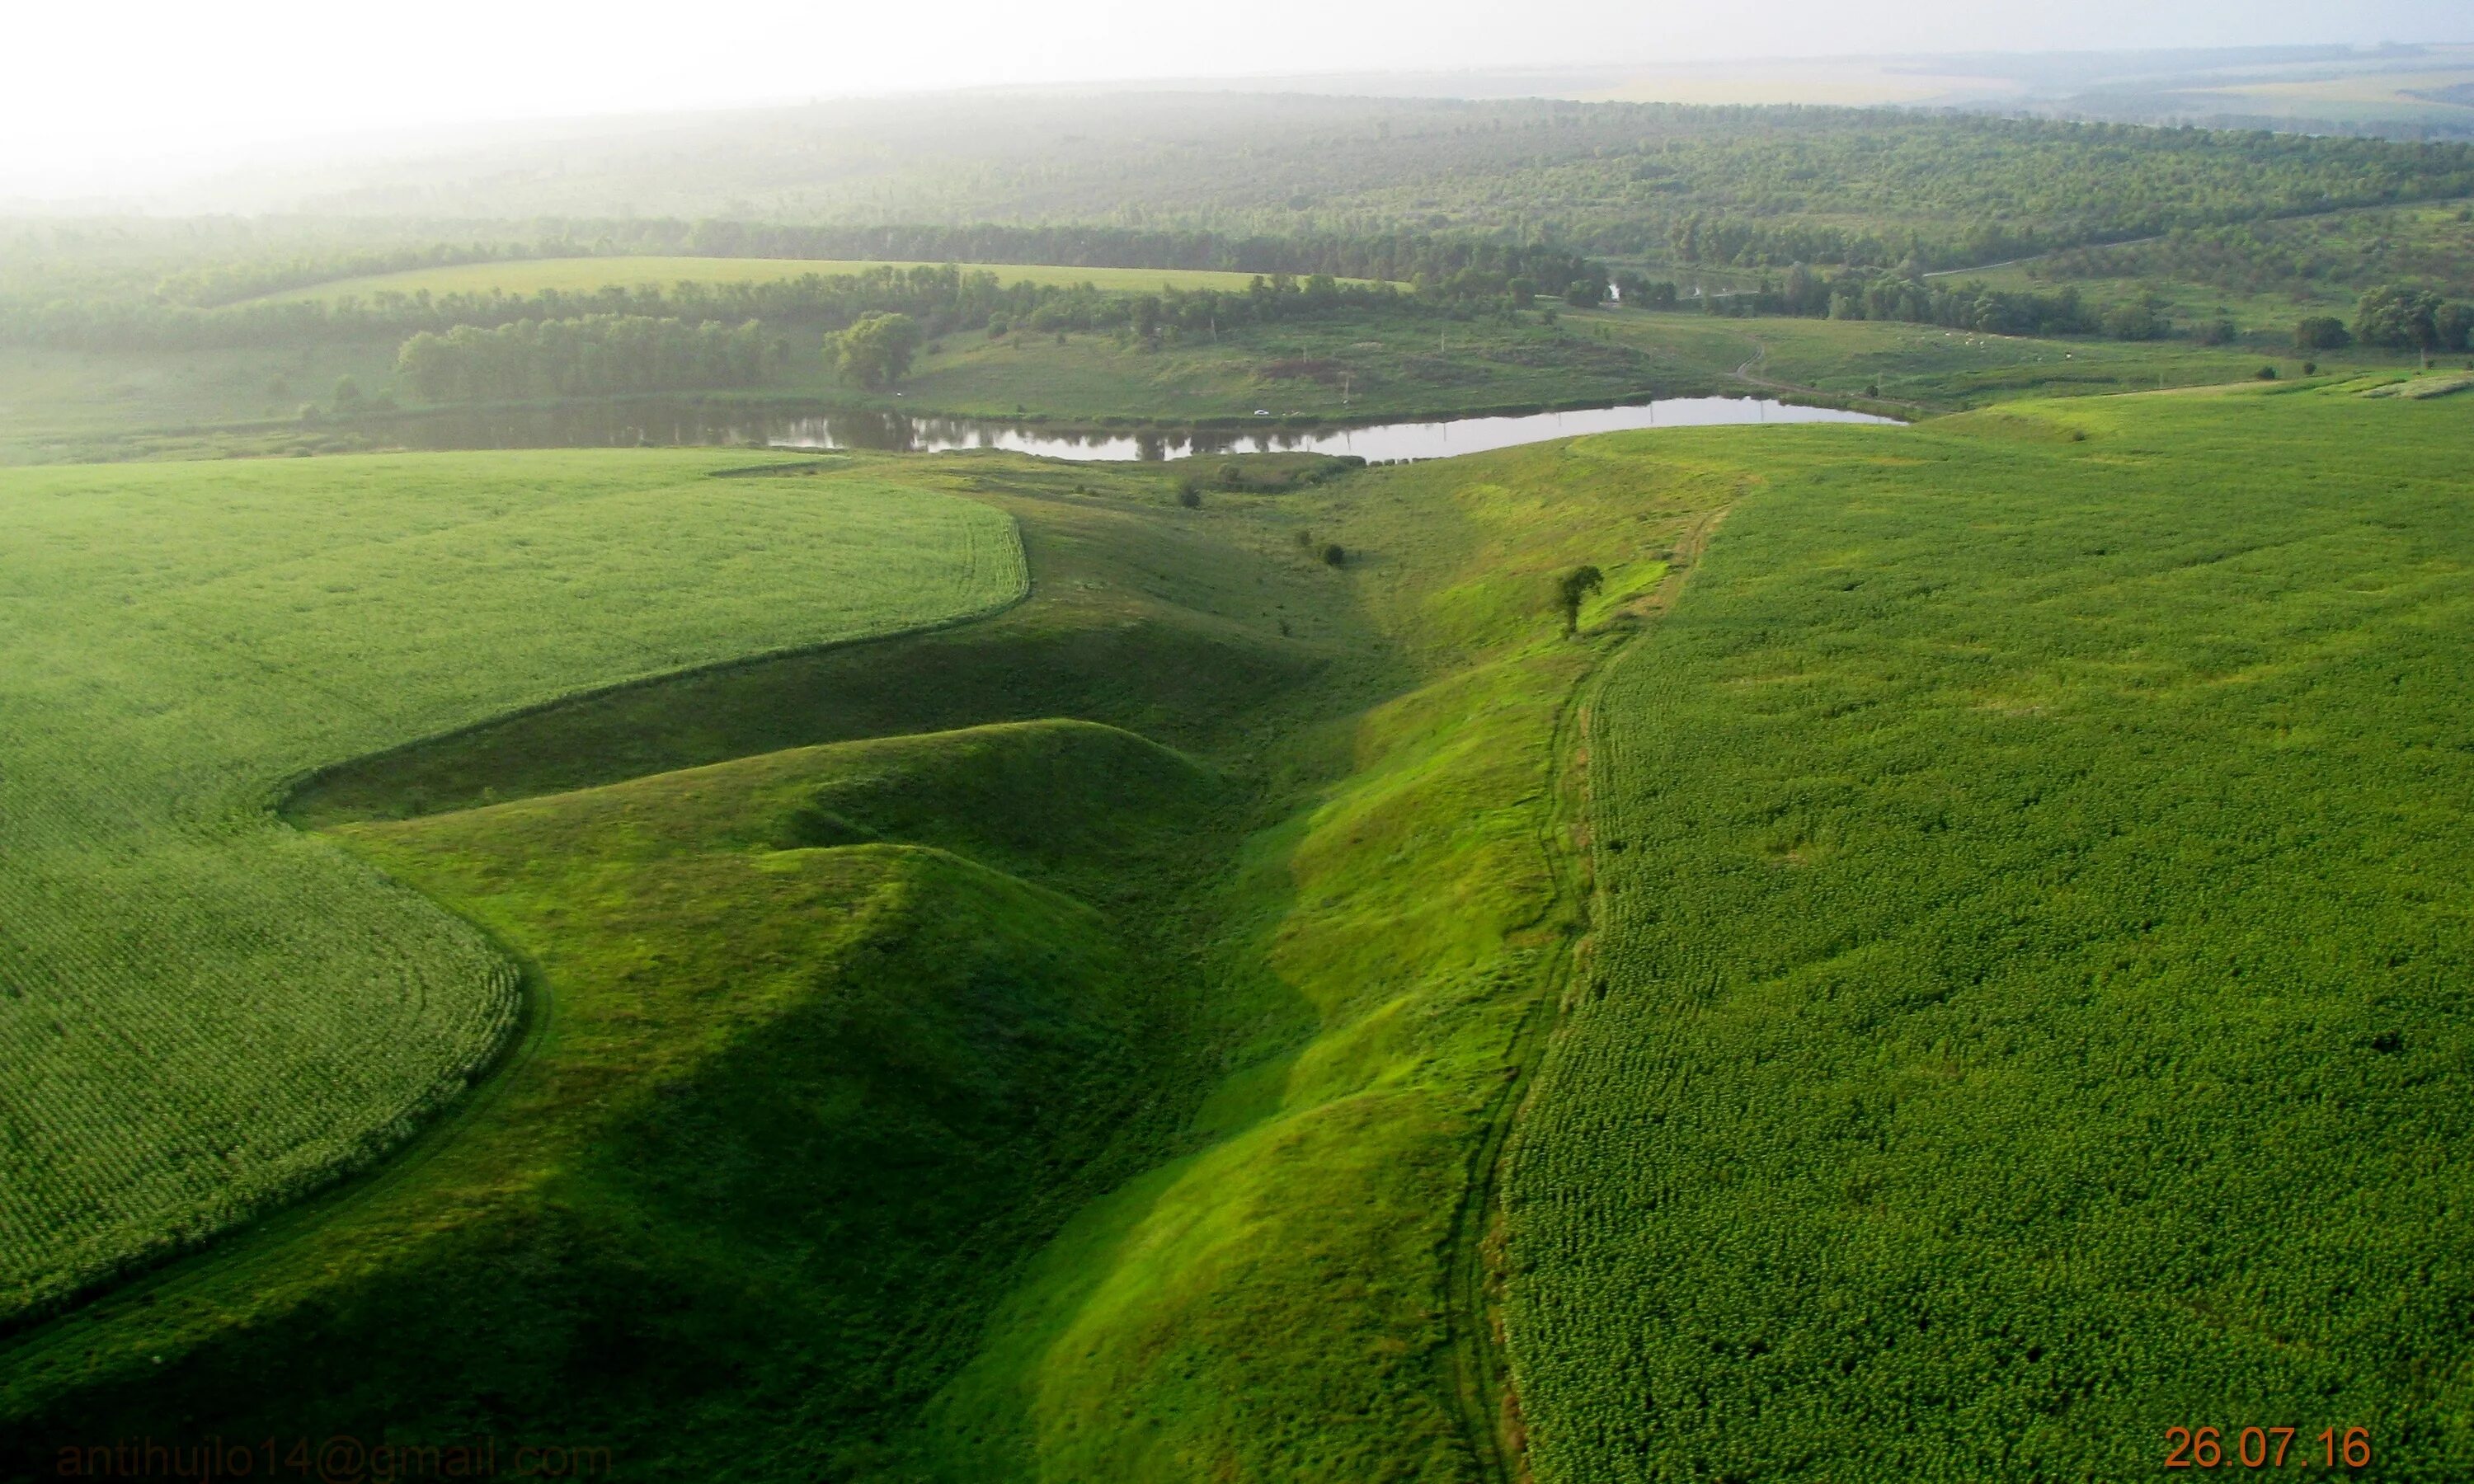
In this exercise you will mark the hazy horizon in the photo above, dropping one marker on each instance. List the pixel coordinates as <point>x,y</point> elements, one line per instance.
<point>203,92</point>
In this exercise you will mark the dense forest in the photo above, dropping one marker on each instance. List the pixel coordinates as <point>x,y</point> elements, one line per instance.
<point>1755,186</point>
<point>1342,207</point>
<point>1357,187</point>
<point>945,298</point>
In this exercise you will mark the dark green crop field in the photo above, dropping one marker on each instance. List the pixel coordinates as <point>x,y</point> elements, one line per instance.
<point>2028,1009</point>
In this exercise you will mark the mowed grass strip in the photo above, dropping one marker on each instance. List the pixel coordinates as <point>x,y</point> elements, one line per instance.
<point>2033,940</point>
<point>202,1011</point>
<point>521,276</point>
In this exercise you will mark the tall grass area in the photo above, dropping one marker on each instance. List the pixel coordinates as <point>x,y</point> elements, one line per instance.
<point>205,1012</point>
<point>2029,1007</point>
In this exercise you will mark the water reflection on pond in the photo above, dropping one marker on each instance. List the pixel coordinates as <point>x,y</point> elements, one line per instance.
<point>692,423</point>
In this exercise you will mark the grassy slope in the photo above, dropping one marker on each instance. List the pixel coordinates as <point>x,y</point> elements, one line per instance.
<point>587,274</point>
<point>1317,1061</point>
<point>2029,1012</point>
<point>1277,1295</point>
<point>1926,367</point>
<point>804,1072</point>
<point>54,402</point>
<point>205,1012</point>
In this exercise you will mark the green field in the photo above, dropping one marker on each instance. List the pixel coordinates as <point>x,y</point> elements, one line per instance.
<point>1946,908</point>
<point>1924,368</point>
<point>1915,953</point>
<point>521,277</point>
<point>1254,997</point>
<point>207,1012</point>
<point>2027,991</point>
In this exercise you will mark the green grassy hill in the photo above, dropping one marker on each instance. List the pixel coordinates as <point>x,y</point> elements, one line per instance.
<point>207,1012</point>
<point>1282,1069</point>
<point>804,1080</point>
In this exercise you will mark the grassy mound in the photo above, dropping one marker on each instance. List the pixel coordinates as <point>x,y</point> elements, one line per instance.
<point>790,1109</point>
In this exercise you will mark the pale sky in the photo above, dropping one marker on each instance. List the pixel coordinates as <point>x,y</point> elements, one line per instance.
<point>103,96</point>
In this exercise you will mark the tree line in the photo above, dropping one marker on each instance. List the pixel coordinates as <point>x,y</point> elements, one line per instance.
<point>1863,294</point>
<point>941,298</point>
<point>2396,317</point>
<point>588,356</point>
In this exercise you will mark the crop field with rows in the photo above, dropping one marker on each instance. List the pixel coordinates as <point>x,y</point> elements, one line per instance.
<point>202,1011</point>
<point>2035,913</point>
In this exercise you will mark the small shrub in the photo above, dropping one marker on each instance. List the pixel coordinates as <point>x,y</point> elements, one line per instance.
<point>1189,494</point>
<point>2267,374</point>
<point>2321,332</point>
<point>2311,368</point>
<point>1334,556</point>
<point>1304,540</point>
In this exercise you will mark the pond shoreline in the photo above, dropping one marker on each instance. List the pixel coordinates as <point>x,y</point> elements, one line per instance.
<point>708,421</point>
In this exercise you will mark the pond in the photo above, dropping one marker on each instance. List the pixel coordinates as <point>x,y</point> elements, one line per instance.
<point>689,424</point>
